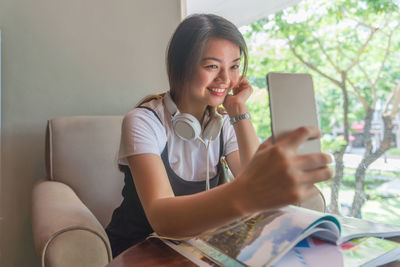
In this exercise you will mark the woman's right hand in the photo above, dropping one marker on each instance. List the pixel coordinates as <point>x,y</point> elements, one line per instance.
<point>277,176</point>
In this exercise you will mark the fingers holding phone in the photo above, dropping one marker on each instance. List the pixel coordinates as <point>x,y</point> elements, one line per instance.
<point>277,175</point>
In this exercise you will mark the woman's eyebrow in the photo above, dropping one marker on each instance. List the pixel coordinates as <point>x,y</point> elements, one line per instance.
<point>211,58</point>
<point>218,60</point>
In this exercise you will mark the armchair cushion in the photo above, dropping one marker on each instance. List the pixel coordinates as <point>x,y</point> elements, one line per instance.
<point>82,151</point>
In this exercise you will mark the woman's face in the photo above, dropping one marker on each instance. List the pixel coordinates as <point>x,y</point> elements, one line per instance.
<point>215,76</point>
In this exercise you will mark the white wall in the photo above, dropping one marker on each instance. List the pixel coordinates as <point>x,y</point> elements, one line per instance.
<point>61,58</point>
<point>238,11</point>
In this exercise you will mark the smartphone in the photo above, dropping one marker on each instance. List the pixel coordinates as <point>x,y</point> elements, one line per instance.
<point>292,105</point>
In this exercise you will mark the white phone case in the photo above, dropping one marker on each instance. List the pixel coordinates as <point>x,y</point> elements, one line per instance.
<point>292,105</point>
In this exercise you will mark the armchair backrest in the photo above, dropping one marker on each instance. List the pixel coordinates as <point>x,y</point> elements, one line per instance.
<point>81,151</point>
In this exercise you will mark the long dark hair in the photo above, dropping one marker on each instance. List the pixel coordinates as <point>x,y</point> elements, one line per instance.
<point>187,44</point>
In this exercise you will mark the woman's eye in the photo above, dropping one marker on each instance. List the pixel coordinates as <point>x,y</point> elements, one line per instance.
<point>235,67</point>
<point>211,67</point>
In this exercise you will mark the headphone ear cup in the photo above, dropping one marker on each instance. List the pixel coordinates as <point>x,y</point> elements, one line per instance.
<point>186,126</point>
<point>214,127</point>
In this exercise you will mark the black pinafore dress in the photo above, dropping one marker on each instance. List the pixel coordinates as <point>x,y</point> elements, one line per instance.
<point>129,224</point>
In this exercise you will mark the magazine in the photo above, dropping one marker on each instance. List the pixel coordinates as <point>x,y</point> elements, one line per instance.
<point>364,251</point>
<point>265,238</point>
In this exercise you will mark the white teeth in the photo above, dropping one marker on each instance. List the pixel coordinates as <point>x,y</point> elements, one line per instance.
<point>217,90</point>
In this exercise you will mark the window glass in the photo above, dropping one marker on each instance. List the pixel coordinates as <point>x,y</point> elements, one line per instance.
<point>352,50</point>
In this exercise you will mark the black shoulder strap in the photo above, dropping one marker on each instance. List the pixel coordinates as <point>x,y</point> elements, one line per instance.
<point>155,114</point>
<point>221,143</point>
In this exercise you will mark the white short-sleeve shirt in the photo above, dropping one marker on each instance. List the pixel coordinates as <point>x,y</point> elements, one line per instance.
<point>142,133</point>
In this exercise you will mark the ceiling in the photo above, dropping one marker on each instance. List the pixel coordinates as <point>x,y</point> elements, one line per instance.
<point>238,11</point>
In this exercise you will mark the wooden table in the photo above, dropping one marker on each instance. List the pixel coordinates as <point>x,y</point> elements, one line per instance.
<point>153,252</point>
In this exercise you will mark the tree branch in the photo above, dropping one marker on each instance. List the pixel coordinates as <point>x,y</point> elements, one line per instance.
<point>327,56</point>
<point>312,66</point>
<point>360,97</point>
<point>364,24</point>
<point>396,102</point>
<point>371,83</point>
<point>385,57</point>
<point>366,75</point>
<point>395,96</point>
<point>363,47</point>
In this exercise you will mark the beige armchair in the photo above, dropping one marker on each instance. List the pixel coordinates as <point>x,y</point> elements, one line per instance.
<point>71,208</point>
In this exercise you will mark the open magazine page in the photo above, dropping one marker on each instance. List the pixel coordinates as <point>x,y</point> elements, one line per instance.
<point>367,251</point>
<point>264,238</point>
<point>352,228</point>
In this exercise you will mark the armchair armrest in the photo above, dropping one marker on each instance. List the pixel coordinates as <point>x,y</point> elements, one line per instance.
<point>316,202</point>
<point>65,232</point>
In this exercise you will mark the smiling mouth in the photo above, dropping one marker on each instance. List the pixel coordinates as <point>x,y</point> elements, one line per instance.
<point>217,90</point>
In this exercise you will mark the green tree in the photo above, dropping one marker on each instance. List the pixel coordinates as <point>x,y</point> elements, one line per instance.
<point>351,48</point>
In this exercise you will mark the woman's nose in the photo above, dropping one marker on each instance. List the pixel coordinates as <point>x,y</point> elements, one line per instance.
<point>223,76</point>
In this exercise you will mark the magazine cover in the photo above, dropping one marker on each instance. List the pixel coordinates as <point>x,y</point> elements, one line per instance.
<point>263,239</point>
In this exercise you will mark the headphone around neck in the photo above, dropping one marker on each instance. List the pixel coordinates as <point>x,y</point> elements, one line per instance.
<point>187,127</point>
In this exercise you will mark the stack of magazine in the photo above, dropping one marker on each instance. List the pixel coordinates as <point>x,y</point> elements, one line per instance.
<point>293,236</point>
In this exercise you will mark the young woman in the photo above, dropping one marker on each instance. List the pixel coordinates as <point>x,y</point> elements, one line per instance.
<point>171,145</point>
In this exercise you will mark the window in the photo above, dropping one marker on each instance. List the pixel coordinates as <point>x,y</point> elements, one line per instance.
<point>351,48</point>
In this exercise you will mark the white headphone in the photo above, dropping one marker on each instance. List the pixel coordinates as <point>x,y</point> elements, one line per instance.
<point>187,127</point>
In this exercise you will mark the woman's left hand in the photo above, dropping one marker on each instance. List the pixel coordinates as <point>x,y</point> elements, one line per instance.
<point>235,104</point>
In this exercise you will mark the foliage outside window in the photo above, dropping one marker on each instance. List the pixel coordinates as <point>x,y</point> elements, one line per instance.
<point>352,50</point>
